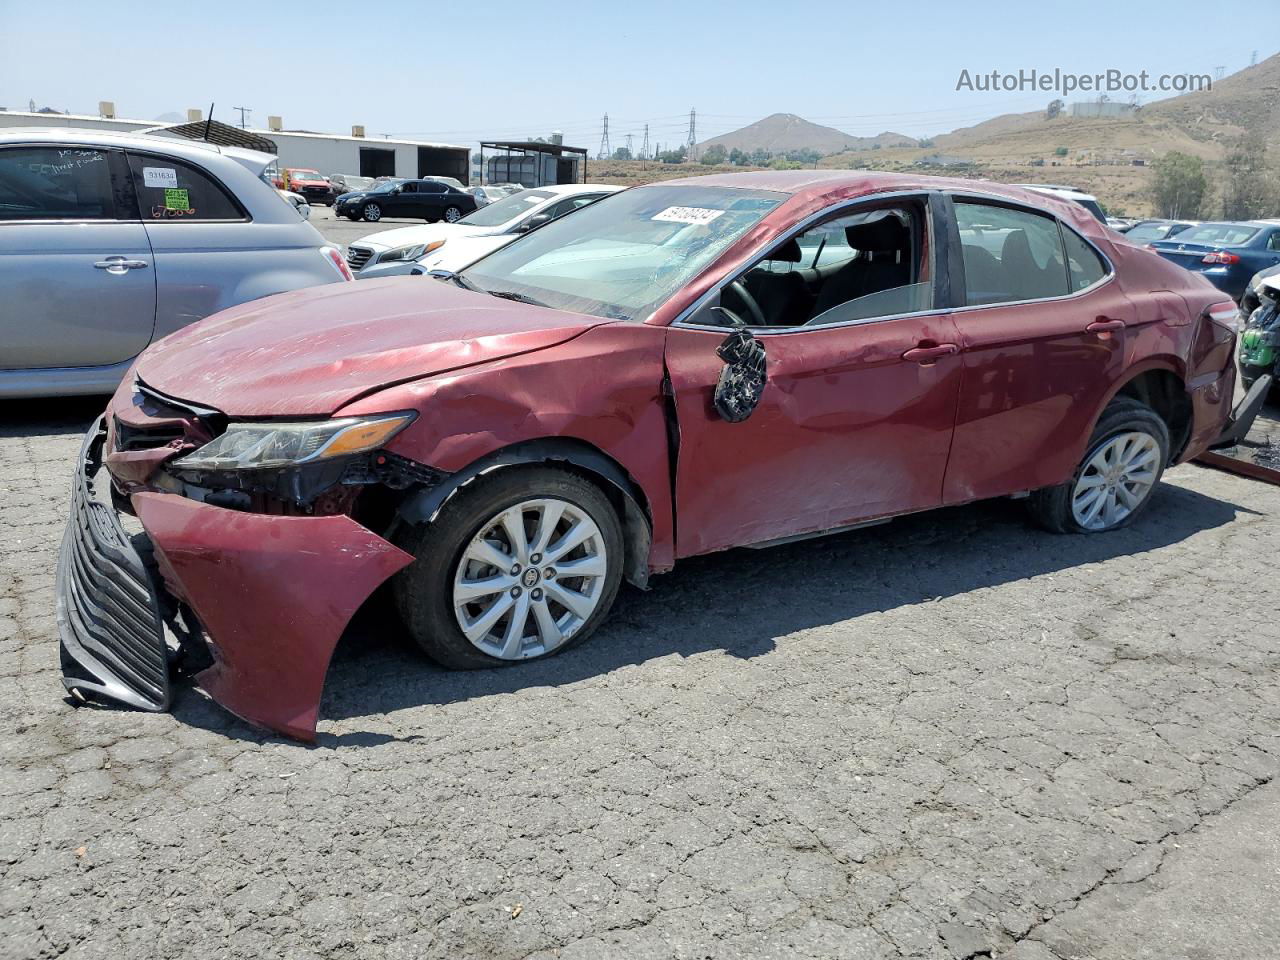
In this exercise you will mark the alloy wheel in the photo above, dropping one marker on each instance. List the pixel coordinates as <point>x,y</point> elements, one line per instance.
<point>1116,481</point>
<point>452,214</point>
<point>529,579</point>
<point>373,212</point>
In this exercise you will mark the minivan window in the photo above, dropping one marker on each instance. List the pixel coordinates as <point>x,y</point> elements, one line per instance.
<point>171,189</point>
<point>1009,255</point>
<point>55,183</point>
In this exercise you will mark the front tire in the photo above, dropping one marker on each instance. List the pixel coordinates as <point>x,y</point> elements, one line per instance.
<point>371,213</point>
<point>519,566</point>
<point>1123,462</point>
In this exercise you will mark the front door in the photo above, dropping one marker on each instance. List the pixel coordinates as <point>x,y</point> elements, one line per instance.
<point>862,374</point>
<point>1042,338</point>
<point>77,285</point>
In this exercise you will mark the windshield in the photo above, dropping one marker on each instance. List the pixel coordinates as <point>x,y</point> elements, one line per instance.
<point>1219,234</point>
<point>623,256</point>
<point>305,175</point>
<point>508,208</point>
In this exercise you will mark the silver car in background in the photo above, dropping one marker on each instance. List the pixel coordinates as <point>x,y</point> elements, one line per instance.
<point>109,242</point>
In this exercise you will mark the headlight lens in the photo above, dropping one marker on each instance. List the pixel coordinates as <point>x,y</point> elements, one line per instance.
<point>262,446</point>
<point>412,252</point>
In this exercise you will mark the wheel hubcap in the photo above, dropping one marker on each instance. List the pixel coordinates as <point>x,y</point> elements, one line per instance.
<point>1116,480</point>
<point>512,606</point>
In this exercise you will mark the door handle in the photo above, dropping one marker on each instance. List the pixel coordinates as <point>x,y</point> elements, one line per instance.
<point>1105,324</point>
<point>927,353</point>
<point>119,265</point>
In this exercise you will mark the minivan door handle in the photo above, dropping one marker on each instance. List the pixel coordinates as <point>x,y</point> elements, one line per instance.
<point>119,265</point>
<point>1104,325</point>
<point>927,352</point>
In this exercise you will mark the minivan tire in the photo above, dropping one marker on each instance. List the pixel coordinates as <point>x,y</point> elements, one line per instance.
<point>1052,507</point>
<point>424,591</point>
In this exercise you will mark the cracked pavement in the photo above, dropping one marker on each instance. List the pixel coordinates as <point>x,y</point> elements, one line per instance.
<point>952,736</point>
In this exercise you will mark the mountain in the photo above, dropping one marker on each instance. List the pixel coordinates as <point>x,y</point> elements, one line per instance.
<point>783,132</point>
<point>1245,102</point>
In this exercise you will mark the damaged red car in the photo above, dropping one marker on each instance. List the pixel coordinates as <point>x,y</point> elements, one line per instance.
<point>677,369</point>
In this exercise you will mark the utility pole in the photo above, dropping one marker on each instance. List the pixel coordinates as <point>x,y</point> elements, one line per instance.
<point>692,145</point>
<point>244,113</point>
<point>605,151</point>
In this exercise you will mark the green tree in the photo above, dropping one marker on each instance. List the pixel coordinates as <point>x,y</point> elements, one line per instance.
<point>622,153</point>
<point>760,157</point>
<point>714,154</point>
<point>1248,190</point>
<point>1179,186</point>
<point>1060,152</point>
<point>673,156</point>
<point>738,158</point>
<point>1054,109</point>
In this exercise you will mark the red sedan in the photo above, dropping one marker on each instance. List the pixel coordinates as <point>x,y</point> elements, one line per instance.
<point>680,368</point>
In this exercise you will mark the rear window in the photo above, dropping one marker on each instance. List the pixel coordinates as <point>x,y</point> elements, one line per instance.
<point>1146,232</point>
<point>170,189</point>
<point>1220,234</point>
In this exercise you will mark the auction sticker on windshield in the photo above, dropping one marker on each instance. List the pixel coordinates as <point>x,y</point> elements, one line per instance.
<point>699,215</point>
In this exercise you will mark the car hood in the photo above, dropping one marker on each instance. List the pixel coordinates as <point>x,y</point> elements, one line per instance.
<point>403,236</point>
<point>463,251</point>
<point>309,352</point>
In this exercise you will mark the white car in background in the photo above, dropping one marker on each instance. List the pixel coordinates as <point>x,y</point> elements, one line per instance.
<point>487,194</point>
<point>298,201</point>
<point>452,246</point>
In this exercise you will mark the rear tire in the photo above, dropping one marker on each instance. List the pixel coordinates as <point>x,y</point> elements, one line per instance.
<point>450,566</point>
<point>1115,480</point>
<point>452,214</point>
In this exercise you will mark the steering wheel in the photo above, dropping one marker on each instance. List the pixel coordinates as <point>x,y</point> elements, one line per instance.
<point>753,308</point>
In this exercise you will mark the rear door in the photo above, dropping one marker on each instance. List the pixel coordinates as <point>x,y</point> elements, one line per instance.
<point>1042,332</point>
<point>76,284</point>
<point>431,200</point>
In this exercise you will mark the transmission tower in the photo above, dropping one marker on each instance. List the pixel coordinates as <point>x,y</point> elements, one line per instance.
<point>692,145</point>
<point>630,152</point>
<point>1218,73</point>
<point>644,146</point>
<point>605,152</point>
<point>244,113</point>
<point>1253,61</point>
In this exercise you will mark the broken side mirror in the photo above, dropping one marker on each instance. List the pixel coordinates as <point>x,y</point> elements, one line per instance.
<point>742,379</point>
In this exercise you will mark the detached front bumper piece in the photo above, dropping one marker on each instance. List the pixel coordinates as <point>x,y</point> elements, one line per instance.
<point>272,595</point>
<point>108,605</point>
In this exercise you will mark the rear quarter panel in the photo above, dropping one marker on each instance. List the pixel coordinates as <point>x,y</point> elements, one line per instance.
<point>603,388</point>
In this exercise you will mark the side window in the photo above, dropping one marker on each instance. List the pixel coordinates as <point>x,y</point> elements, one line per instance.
<point>1009,255</point>
<point>55,183</point>
<point>860,266</point>
<point>1085,266</point>
<point>1274,242</point>
<point>431,186</point>
<point>171,189</point>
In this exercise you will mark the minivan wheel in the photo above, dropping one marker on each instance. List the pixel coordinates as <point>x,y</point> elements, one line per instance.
<point>371,212</point>
<point>1123,463</point>
<point>451,214</point>
<point>522,565</point>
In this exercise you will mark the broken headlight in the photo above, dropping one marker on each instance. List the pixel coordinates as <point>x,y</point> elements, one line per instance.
<point>259,446</point>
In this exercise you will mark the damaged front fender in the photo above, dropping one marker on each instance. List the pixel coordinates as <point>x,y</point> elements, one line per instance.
<point>273,593</point>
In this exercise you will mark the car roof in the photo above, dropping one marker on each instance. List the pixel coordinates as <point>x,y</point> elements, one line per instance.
<point>254,160</point>
<point>815,184</point>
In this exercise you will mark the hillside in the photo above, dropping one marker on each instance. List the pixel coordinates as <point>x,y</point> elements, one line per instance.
<point>1248,101</point>
<point>783,132</point>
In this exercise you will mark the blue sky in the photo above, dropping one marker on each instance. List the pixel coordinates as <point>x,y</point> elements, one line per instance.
<point>437,71</point>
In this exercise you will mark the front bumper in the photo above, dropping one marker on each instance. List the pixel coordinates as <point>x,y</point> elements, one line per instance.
<point>271,596</point>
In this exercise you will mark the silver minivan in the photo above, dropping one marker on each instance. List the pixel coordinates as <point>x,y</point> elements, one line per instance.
<point>109,242</point>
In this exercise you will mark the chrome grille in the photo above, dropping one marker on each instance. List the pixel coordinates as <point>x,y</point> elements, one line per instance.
<point>357,257</point>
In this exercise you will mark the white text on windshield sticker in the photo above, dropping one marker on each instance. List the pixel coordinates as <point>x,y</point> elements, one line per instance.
<point>699,215</point>
<point>159,177</point>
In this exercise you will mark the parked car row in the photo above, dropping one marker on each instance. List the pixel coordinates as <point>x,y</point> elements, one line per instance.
<point>431,199</point>
<point>454,245</point>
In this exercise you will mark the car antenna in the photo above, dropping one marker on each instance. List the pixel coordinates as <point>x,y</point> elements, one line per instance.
<point>208,120</point>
